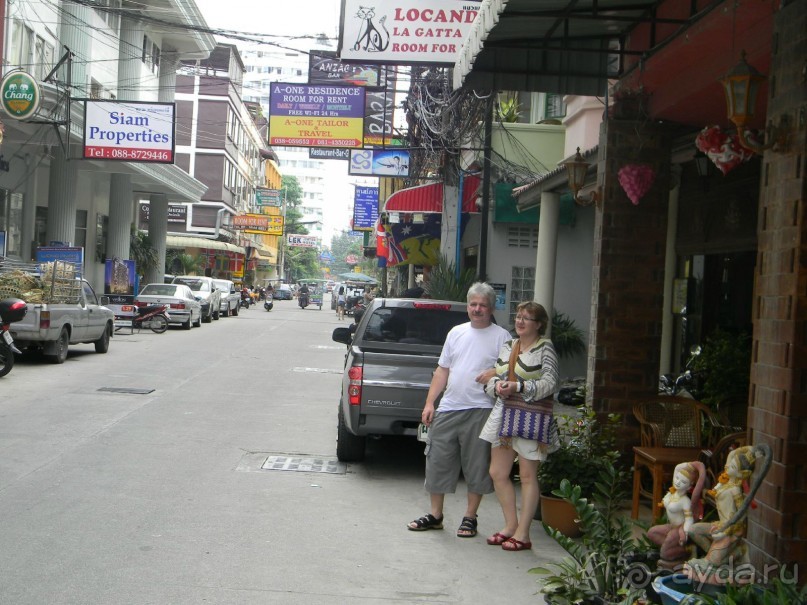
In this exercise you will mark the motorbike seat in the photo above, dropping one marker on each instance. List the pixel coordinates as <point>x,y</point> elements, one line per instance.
<point>148,309</point>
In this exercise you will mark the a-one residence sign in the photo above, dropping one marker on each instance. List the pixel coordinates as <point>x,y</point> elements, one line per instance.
<point>302,115</point>
<point>21,95</point>
<point>129,131</point>
<point>405,31</point>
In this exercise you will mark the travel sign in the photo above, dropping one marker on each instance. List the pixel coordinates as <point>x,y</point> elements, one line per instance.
<point>302,115</point>
<point>21,95</point>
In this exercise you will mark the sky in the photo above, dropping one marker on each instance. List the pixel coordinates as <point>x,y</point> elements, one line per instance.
<point>289,21</point>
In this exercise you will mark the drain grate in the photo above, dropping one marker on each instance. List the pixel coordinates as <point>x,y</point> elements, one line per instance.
<point>303,465</point>
<point>129,391</point>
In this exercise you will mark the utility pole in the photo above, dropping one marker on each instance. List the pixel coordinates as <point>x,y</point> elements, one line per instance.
<point>483,235</point>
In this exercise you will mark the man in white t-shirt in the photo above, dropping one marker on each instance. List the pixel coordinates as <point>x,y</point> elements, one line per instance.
<point>453,442</point>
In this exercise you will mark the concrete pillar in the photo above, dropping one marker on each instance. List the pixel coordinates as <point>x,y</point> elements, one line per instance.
<point>668,319</point>
<point>158,228</point>
<point>546,255</point>
<point>448,230</point>
<point>61,197</point>
<point>130,61</point>
<point>73,20</point>
<point>28,226</point>
<point>120,216</point>
<point>168,77</point>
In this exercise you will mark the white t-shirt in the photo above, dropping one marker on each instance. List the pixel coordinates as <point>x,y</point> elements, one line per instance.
<point>467,352</point>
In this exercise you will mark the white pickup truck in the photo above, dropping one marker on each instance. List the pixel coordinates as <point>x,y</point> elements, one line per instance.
<point>52,327</point>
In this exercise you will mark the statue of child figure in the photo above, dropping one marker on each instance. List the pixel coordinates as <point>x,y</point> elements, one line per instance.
<point>682,511</point>
<point>723,541</point>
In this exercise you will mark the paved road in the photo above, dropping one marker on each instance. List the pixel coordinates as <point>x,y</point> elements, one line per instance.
<point>160,497</point>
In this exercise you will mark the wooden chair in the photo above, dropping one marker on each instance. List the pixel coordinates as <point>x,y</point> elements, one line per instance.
<point>671,421</point>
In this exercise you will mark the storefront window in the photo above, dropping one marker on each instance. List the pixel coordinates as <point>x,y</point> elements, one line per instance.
<point>11,220</point>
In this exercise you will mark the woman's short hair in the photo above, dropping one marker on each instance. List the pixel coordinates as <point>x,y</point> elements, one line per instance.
<point>537,312</point>
<point>483,289</point>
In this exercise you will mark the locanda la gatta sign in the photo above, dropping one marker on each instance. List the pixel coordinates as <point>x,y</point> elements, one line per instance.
<point>405,31</point>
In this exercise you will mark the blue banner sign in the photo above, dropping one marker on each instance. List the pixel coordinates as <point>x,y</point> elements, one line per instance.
<point>365,208</point>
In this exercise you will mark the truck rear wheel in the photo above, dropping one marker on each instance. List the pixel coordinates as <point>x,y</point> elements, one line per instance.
<point>60,347</point>
<point>349,447</point>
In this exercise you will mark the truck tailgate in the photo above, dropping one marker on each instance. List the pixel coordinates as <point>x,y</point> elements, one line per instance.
<point>396,385</point>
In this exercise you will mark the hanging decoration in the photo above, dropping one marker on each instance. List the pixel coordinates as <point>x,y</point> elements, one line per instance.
<point>722,148</point>
<point>636,180</point>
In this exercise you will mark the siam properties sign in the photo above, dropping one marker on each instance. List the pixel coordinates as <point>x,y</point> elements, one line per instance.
<point>301,115</point>
<point>129,131</point>
<point>405,31</point>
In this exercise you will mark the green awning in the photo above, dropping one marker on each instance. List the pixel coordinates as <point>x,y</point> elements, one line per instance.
<point>506,211</point>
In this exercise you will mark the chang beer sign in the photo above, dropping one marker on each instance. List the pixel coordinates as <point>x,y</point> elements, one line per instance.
<point>21,95</point>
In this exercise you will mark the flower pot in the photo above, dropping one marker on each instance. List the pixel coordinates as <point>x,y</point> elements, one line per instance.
<point>561,515</point>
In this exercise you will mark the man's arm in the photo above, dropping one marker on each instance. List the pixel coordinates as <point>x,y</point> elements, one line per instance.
<point>437,386</point>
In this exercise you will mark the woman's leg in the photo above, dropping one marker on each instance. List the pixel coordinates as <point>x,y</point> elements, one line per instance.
<point>528,475</point>
<point>501,462</point>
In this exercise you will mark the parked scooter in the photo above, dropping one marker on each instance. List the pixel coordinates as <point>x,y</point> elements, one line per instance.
<point>687,383</point>
<point>154,317</point>
<point>11,310</point>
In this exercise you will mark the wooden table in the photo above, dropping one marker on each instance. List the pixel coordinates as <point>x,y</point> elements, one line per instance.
<point>660,461</point>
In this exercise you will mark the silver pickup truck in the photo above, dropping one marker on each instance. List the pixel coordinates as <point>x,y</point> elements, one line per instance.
<point>388,368</point>
<point>52,327</point>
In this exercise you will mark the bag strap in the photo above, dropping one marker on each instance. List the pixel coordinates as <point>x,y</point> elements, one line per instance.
<point>515,350</point>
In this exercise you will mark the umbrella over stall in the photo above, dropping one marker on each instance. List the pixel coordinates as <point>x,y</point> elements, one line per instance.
<point>358,277</point>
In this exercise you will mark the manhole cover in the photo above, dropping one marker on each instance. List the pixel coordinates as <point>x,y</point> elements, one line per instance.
<point>126,390</point>
<point>303,465</point>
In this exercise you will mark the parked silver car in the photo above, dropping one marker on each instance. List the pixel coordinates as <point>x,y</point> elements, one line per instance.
<point>184,307</point>
<point>230,297</point>
<point>206,291</point>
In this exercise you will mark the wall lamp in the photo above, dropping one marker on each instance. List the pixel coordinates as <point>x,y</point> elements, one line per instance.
<point>577,171</point>
<point>741,86</point>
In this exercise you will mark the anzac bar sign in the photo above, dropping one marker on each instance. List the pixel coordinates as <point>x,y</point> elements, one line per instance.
<point>301,115</point>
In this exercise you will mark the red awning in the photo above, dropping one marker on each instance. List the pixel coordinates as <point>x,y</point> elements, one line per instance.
<point>429,198</point>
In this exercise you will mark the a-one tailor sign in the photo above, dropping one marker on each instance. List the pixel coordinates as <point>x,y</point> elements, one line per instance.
<point>21,96</point>
<point>302,241</point>
<point>129,131</point>
<point>405,31</point>
<point>301,115</point>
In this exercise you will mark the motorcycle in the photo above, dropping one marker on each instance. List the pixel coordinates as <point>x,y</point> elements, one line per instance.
<point>303,300</point>
<point>687,383</point>
<point>353,303</point>
<point>11,310</point>
<point>154,317</point>
<point>268,304</point>
<point>246,300</point>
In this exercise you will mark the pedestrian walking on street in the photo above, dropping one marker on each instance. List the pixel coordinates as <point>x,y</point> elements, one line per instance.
<point>453,444</point>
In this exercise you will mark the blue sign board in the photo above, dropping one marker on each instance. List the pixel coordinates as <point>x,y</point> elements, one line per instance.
<point>70,254</point>
<point>365,208</point>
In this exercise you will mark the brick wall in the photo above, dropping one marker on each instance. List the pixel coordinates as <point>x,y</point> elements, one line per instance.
<point>777,531</point>
<point>628,272</point>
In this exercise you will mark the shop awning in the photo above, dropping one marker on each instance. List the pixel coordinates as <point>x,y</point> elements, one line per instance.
<point>429,198</point>
<point>182,241</point>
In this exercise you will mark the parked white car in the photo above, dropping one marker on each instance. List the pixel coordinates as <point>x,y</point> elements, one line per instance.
<point>183,307</point>
<point>230,297</point>
<point>206,291</point>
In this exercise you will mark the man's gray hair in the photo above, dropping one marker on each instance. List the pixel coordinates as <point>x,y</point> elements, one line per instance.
<point>483,289</point>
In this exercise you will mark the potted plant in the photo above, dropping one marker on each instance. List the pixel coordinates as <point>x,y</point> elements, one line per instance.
<point>599,568</point>
<point>587,445</point>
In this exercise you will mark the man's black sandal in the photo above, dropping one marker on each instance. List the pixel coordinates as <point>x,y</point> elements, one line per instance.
<point>467,528</point>
<point>425,522</point>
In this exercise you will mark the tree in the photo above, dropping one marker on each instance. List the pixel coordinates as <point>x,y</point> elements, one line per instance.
<point>341,246</point>
<point>300,263</point>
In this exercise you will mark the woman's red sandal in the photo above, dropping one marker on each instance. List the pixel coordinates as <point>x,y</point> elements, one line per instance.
<point>514,545</point>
